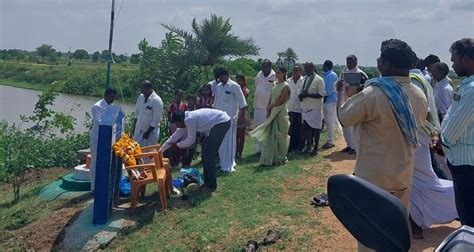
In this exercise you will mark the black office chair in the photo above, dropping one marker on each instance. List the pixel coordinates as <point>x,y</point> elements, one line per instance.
<point>373,216</point>
<point>378,219</point>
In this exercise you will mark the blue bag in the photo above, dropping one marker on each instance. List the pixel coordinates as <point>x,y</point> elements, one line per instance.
<point>124,186</point>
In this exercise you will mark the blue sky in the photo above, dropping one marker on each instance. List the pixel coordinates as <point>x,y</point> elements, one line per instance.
<point>316,30</point>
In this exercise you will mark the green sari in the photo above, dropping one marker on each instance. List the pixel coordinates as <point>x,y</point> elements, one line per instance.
<point>273,133</point>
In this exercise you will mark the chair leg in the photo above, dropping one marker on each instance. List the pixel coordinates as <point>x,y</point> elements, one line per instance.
<point>162,192</point>
<point>133,198</point>
<point>142,192</point>
<point>169,183</point>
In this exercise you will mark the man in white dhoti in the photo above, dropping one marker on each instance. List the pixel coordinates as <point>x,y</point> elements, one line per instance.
<point>148,110</point>
<point>351,67</point>
<point>97,111</point>
<point>263,89</point>
<point>431,199</point>
<point>311,101</point>
<point>229,98</point>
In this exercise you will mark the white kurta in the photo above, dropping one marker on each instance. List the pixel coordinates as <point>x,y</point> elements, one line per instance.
<point>312,108</point>
<point>97,111</point>
<point>263,91</point>
<point>431,199</point>
<point>148,114</point>
<point>229,98</point>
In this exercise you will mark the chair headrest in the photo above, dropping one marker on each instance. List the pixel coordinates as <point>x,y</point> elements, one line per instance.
<point>373,216</point>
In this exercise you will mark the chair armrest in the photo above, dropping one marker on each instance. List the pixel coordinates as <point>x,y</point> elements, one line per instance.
<point>140,167</point>
<point>151,147</point>
<point>147,154</point>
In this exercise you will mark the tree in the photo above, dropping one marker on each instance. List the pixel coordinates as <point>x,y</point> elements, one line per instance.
<point>211,40</point>
<point>45,50</point>
<point>279,61</point>
<point>105,55</point>
<point>135,58</point>
<point>95,56</point>
<point>80,54</point>
<point>290,57</point>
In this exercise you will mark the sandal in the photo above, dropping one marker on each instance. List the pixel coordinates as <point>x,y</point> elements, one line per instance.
<point>320,200</point>
<point>272,237</point>
<point>251,246</point>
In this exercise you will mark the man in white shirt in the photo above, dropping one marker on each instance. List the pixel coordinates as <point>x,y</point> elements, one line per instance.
<point>97,111</point>
<point>148,110</point>
<point>351,67</point>
<point>263,89</point>
<point>311,100</point>
<point>296,131</point>
<point>229,98</point>
<point>443,92</point>
<point>215,124</point>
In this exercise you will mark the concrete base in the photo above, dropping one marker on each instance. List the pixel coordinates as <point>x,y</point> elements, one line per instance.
<point>83,235</point>
<point>81,172</point>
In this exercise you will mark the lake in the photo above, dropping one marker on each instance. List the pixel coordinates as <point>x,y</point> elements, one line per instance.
<point>19,101</point>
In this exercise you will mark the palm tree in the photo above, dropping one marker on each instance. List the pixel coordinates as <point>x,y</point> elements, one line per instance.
<point>279,61</point>
<point>212,40</point>
<point>290,57</point>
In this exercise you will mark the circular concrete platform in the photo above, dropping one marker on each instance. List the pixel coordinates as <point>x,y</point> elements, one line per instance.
<point>69,183</point>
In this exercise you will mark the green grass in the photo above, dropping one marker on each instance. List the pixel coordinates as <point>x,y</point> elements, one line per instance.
<point>245,205</point>
<point>30,208</point>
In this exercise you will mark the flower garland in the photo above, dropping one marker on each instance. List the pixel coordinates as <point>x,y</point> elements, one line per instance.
<point>125,148</point>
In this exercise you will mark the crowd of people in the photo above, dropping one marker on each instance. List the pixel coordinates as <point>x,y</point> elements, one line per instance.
<point>409,129</point>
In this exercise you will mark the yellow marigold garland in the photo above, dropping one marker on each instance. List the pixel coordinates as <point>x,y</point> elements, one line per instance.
<point>125,148</point>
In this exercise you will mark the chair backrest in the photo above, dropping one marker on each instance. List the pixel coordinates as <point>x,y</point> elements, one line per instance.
<point>373,216</point>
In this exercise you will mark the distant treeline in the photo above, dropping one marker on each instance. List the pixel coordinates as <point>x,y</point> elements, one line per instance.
<point>47,54</point>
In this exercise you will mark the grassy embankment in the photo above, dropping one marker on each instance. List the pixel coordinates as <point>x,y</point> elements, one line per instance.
<point>245,205</point>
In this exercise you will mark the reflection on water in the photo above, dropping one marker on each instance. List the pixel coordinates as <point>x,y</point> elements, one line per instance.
<point>18,101</point>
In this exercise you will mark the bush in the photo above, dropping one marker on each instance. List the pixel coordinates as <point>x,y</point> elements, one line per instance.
<point>38,146</point>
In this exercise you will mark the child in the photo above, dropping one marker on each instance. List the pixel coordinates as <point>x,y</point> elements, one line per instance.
<point>176,106</point>
<point>206,99</point>
<point>242,122</point>
<point>188,154</point>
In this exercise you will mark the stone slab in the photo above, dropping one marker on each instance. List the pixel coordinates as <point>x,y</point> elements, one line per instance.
<point>83,235</point>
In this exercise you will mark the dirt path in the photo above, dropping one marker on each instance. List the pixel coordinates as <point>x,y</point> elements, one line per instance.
<point>342,240</point>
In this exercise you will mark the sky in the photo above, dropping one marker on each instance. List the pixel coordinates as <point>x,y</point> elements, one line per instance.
<point>316,30</point>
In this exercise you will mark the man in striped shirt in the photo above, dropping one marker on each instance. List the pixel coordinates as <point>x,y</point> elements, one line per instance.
<point>457,131</point>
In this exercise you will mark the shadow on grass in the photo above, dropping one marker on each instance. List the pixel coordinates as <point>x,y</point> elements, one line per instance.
<point>339,156</point>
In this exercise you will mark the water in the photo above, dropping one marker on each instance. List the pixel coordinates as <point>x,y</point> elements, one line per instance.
<point>18,101</point>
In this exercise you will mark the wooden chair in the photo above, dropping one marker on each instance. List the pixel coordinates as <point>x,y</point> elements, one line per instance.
<point>156,173</point>
<point>165,163</point>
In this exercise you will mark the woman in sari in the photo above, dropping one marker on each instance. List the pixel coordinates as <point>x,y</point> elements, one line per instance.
<point>273,133</point>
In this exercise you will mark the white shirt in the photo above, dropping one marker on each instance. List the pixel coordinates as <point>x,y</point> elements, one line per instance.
<point>443,93</point>
<point>201,120</point>
<point>213,84</point>
<point>149,113</point>
<point>229,98</point>
<point>294,102</point>
<point>315,87</point>
<point>263,89</point>
<point>178,135</point>
<point>97,110</point>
